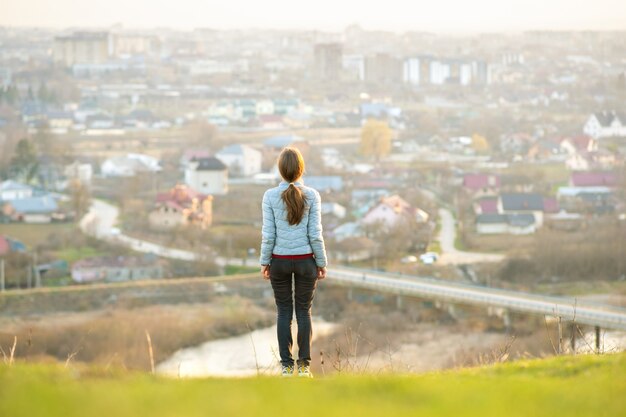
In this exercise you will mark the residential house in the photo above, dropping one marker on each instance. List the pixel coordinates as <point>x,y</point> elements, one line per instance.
<point>190,154</point>
<point>580,143</point>
<point>13,190</point>
<point>241,160</point>
<point>584,154</point>
<point>593,179</point>
<point>324,183</point>
<point>8,245</point>
<point>333,209</point>
<point>606,124</point>
<point>33,113</point>
<point>486,205</point>
<point>522,203</point>
<point>576,199</point>
<point>516,144</point>
<point>116,269</point>
<point>353,249</point>
<point>392,211</point>
<point>129,165</point>
<point>271,121</point>
<point>39,209</point>
<point>565,221</point>
<point>495,223</point>
<point>181,206</point>
<point>207,176</point>
<point>332,214</point>
<point>82,172</point>
<point>545,150</point>
<point>345,231</point>
<point>479,185</point>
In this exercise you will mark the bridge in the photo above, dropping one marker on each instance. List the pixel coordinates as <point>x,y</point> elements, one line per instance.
<point>563,308</point>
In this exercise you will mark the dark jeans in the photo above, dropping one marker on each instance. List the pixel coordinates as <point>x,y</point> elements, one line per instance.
<point>305,278</point>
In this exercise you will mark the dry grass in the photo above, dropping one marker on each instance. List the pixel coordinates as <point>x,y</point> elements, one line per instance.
<point>118,336</point>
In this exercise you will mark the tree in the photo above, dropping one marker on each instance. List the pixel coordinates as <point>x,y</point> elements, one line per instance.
<point>202,132</point>
<point>80,198</point>
<point>375,139</point>
<point>479,143</point>
<point>24,164</point>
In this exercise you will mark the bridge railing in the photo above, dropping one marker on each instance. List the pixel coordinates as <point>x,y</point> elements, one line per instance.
<point>564,307</point>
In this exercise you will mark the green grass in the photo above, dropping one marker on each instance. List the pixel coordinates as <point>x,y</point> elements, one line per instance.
<point>234,269</point>
<point>34,234</point>
<point>434,246</point>
<point>72,255</point>
<point>565,386</point>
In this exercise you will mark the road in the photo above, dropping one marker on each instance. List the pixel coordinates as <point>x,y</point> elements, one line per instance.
<point>100,223</point>
<point>571,309</point>
<point>450,254</point>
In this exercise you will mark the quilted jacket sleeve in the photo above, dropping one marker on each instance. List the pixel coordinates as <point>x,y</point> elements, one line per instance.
<point>268,232</point>
<point>315,230</point>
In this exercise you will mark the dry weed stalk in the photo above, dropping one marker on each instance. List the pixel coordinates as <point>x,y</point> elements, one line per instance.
<point>150,351</point>
<point>9,360</point>
<point>256,359</point>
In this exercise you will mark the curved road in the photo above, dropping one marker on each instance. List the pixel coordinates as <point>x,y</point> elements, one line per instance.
<point>100,223</point>
<point>451,255</point>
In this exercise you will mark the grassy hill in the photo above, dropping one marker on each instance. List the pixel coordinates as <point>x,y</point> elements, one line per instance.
<point>565,386</point>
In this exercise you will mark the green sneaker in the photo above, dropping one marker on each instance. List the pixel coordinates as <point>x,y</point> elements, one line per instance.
<point>286,370</point>
<point>304,371</point>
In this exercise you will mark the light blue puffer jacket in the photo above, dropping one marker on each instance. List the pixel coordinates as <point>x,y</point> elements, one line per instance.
<point>281,238</point>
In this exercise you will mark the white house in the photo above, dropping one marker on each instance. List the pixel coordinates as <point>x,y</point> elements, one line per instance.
<point>207,176</point>
<point>515,224</point>
<point>129,165</point>
<point>264,107</point>
<point>241,160</point>
<point>391,211</point>
<point>605,124</point>
<point>78,171</point>
<point>13,190</point>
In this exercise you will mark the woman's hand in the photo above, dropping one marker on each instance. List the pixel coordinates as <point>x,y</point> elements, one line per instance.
<point>321,272</point>
<point>265,271</point>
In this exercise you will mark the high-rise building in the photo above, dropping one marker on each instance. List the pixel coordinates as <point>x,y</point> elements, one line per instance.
<point>82,48</point>
<point>328,61</point>
<point>439,72</point>
<point>354,67</point>
<point>383,68</point>
<point>481,73</point>
<point>411,71</point>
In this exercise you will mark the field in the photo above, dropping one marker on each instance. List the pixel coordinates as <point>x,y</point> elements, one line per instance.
<point>572,386</point>
<point>34,234</point>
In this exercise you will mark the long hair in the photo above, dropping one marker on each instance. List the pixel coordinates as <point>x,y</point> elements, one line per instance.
<point>291,168</point>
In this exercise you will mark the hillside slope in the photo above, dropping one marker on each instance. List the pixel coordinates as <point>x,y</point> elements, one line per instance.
<point>572,386</point>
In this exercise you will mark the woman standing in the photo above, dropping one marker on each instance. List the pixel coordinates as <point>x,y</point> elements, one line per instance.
<point>293,256</point>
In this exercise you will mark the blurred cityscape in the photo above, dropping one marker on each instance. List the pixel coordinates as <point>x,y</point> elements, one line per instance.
<point>491,159</point>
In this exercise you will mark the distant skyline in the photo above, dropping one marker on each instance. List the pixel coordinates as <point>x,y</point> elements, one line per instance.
<point>448,16</point>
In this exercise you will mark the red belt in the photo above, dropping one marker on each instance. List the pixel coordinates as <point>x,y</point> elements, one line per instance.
<point>304,256</point>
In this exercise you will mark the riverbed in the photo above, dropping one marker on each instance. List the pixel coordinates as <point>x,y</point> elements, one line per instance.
<point>254,353</point>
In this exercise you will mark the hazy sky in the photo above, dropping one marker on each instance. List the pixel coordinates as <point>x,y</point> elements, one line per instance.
<point>397,15</point>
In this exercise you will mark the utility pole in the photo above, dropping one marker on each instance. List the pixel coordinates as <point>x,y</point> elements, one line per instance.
<point>29,274</point>
<point>2,275</point>
<point>36,271</point>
